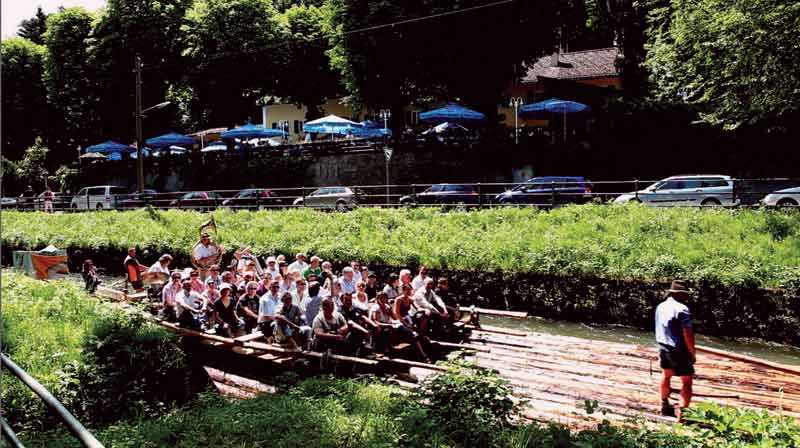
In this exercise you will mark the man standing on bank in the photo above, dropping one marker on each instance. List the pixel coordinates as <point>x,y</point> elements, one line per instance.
<point>675,339</point>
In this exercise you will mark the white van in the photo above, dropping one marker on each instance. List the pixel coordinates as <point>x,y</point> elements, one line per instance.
<point>103,197</point>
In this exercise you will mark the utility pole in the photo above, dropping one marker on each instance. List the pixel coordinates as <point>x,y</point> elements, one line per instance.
<point>515,103</point>
<point>139,158</point>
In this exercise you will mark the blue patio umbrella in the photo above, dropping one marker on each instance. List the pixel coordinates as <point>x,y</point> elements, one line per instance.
<point>171,139</point>
<point>109,146</point>
<point>250,131</point>
<point>553,105</point>
<point>452,113</point>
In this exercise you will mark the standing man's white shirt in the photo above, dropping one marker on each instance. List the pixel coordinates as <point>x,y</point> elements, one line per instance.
<point>418,282</point>
<point>201,251</point>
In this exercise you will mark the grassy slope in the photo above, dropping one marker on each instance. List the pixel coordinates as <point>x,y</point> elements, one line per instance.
<point>735,247</point>
<point>44,327</point>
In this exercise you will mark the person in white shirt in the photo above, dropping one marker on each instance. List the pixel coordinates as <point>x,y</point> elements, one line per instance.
<point>190,305</point>
<point>300,293</point>
<point>268,304</point>
<point>162,265</point>
<point>356,271</point>
<point>427,301</point>
<point>205,250</point>
<point>419,280</point>
<point>299,264</point>
<point>272,267</point>
<point>168,295</point>
<point>287,284</point>
<point>405,279</point>
<point>347,281</point>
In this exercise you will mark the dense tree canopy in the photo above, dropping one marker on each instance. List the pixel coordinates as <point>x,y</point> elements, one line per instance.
<point>231,44</point>
<point>24,106</point>
<point>470,56</point>
<point>71,81</point>
<point>737,60</point>
<point>33,29</point>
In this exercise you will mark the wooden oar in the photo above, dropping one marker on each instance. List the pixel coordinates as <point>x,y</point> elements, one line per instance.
<point>490,312</point>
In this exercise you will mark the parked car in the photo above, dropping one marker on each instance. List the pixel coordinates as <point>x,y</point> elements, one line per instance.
<point>786,198</point>
<point>103,197</point>
<point>694,190</point>
<point>8,202</point>
<point>254,198</point>
<point>137,199</point>
<point>444,194</point>
<point>199,200</point>
<point>548,190</point>
<point>60,201</point>
<point>338,198</point>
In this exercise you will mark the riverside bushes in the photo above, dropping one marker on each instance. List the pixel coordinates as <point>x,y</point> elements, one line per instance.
<point>102,364</point>
<point>753,248</point>
<point>591,263</point>
<point>330,412</point>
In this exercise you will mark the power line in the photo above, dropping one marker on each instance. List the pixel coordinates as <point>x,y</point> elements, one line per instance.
<point>366,29</point>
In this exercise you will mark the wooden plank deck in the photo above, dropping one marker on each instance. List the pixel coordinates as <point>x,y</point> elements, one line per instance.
<point>555,374</point>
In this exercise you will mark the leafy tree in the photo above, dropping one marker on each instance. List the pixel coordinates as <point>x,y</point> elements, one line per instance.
<point>736,60</point>
<point>232,44</point>
<point>24,103</point>
<point>31,169</point>
<point>152,29</point>
<point>70,81</point>
<point>33,29</point>
<point>306,76</point>
<point>469,57</point>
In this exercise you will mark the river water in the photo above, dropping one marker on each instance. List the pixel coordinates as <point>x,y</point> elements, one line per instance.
<point>785,354</point>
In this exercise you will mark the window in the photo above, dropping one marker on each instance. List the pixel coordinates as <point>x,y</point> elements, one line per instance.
<point>411,117</point>
<point>97,191</point>
<point>83,191</point>
<point>296,126</point>
<point>274,125</point>
<point>436,189</point>
<point>710,183</point>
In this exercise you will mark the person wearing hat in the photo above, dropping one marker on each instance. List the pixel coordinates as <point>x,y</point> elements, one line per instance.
<point>272,267</point>
<point>190,306</point>
<point>205,253</point>
<point>676,349</point>
<point>313,268</point>
<point>299,263</point>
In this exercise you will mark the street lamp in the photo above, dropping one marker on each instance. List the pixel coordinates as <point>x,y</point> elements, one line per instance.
<point>385,114</point>
<point>515,103</point>
<point>139,115</point>
<point>284,126</point>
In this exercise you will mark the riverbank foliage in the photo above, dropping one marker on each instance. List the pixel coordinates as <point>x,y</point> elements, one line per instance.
<point>102,363</point>
<point>329,412</point>
<point>752,248</point>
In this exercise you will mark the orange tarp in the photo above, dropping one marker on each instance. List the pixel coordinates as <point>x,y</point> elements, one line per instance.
<point>41,263</point>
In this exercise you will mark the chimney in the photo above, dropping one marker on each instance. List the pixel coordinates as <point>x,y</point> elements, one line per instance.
<point>554,59</point>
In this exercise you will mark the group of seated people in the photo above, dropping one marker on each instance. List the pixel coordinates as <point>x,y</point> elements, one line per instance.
<point>305,304</point>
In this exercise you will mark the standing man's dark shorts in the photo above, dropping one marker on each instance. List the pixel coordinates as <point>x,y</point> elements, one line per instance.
<point>678,360</point>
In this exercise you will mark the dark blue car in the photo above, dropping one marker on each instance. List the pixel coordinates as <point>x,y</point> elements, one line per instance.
<point>548,190</point>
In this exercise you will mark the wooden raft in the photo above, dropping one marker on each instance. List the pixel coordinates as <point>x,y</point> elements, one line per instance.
<point>555,374</point>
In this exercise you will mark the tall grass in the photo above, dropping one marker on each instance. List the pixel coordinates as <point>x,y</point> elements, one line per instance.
<point>742,247</point>
<point>44,328</point>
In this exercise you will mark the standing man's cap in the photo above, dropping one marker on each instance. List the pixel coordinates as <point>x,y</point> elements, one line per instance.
<point>678,286</point>
<point>270,259</point>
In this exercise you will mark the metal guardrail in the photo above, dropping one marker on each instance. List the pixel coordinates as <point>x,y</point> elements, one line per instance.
<point>743,193</point>
<point>73,425</point>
